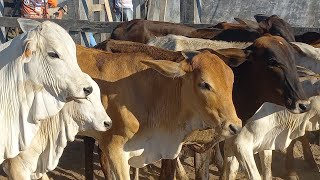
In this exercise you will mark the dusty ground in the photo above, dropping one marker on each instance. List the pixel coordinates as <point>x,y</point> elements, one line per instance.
<point>71,166</point>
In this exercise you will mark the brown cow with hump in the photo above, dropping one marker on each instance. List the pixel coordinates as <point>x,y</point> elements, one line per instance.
<point>155,104</point>
<point>247,31</point>
<point>267,73</point>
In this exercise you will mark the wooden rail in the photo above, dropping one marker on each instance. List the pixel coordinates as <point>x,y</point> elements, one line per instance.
<point>68,24</point>
<point>107,27</point>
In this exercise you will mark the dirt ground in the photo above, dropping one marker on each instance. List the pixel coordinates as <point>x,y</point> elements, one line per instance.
<point>71,166</point>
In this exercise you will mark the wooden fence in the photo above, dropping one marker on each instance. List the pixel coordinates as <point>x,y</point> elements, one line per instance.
<point>95,16</point>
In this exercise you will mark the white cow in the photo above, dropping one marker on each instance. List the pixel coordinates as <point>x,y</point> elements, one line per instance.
<point>38,75</point>
<point>181,43</point>
<point>272,128</point>
<point>309,56</point>
<point>48,144</point>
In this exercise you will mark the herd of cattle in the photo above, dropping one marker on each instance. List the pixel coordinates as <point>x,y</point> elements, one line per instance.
<point>235,88</point>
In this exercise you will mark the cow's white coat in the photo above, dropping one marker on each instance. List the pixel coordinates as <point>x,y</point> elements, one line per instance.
<point>48,144</point>
<point>181,43</point>
<point>34,82</point>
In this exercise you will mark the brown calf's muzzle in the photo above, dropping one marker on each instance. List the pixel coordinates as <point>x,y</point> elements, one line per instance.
<point>231,128</point>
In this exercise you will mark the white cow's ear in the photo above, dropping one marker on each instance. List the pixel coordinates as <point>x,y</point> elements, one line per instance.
<point>28,24</point>
<point>28,51</point>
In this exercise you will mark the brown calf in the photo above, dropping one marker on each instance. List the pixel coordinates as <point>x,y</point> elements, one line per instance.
<point>167,101</point>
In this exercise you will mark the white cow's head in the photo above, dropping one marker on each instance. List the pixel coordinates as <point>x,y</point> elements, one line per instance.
<point>89,113</point>
<point>50,64</point>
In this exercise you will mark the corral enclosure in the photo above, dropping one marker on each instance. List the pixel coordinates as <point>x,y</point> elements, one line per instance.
<point>303,14</point>
<point>299,13</point>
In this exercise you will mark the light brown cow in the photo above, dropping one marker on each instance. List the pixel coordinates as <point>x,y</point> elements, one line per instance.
<point>155,104</point>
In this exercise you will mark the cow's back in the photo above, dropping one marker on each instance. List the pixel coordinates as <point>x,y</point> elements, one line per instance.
<point>142,30</point>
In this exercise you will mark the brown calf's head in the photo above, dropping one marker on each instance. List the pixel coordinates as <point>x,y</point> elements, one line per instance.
<point>206,89</point>
<point>312,38</point>
<point>271,71</point>
<point>276,26</point>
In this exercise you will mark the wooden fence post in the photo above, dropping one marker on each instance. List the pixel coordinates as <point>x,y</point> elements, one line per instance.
<point>73,6</point>
<point>190,11</point>
<point>103,14</point>
<point>163,8</point>
<point>83,10</point>
<point>2,29</point>
<point>108,11</point>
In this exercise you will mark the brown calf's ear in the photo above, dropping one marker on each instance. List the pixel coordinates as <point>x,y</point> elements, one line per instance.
<point>308,38</point>
<point>249,23</point>
<point>297,49</point>
<point>232,56</point>
<point>166,68</point>
<point>261,17</point>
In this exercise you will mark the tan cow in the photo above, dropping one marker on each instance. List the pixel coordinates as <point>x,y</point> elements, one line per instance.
<point>155,104</point>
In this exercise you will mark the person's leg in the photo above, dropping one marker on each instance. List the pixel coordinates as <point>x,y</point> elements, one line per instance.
<point>118,15</point>
<point>127,14</point>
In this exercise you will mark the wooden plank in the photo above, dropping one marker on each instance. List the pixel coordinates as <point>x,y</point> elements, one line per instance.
<point>198,14</point>
<point>84,15</point>
<point>143,9</point>
<point>137,10</point>
<point>151,8</point>
<point>68,24</point>
<point>107,27</point>
<point>97,7</point>
<point>102,18</point>
<point>2,29</point>
<point>108,10</point>
<point>163,8</point>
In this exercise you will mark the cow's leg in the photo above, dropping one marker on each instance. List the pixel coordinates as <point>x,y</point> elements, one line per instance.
<point>88,151</point>
<point>45,177</point>
<point>202,162</point>
<point>114,161</point>
<point>230,164</point>
<point>135,173</point>
<point>307,152</point>
<point>16,170</point>
<point>291,173</point>
<point>243,151</point>
<point>218,157</point>
<point>181,173</point>
<point>266,161</point>
<point>168,169</point>
<point>105,166</point>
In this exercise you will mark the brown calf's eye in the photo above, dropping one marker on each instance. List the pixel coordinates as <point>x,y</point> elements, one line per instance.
<point>272,62</point>
<point>205,86</point>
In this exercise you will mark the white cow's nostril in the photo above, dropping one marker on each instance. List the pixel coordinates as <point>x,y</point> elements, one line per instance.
<point>87,90</point>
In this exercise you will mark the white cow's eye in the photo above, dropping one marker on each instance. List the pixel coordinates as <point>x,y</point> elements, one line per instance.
<point>53,55</point>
